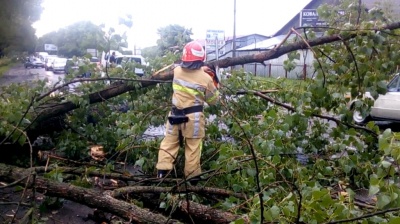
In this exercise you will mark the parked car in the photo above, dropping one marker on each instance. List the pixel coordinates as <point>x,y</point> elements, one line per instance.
<point>94,60</point>
<point>59,64</point>
<point>48,62</point>
<point>33,63</point>
<point>121,60</point>
<point>385,108</point>
<point>71,66</point>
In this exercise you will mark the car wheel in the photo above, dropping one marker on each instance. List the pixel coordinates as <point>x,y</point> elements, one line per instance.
<point>360,118</point>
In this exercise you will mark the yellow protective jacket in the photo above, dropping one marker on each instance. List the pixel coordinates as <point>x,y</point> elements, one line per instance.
<point>191,88</point>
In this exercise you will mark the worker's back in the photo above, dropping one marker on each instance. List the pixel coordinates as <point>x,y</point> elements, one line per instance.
<point>192,88</point>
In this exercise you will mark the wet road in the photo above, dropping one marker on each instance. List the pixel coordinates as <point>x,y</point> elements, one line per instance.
<point>20,74</point>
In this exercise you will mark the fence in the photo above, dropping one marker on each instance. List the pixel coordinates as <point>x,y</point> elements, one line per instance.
<point>274,67</point>
<point>302,71</point>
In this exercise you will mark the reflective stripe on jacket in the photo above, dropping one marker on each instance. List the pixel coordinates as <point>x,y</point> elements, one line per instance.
<point>192,88</point>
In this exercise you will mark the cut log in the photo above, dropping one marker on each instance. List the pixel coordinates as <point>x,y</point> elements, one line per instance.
<point>208,214</point>
<point>92,198</point>
<point>107,200</point>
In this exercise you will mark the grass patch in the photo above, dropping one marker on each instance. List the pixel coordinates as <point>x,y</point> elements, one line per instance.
<point>5,65</point>
<point>283,82</point>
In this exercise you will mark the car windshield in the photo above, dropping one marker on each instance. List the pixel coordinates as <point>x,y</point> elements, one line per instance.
<point>94,59</point>
<point>60,60</point>
<point>394,85</point>
<point>50,59</point>
<point>123,60</point>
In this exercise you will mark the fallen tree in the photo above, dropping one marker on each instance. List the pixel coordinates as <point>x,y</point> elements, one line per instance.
<point>274,162</point>
<point>166,74</point>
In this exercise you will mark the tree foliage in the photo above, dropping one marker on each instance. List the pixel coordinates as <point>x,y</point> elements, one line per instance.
<point>172,37</point>
<point>169,47</point>
<point>73,40</point>
<point>295,152</point>
<point>16,32</point>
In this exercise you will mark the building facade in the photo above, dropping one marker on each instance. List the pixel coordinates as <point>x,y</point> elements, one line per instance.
<point>254,44</point>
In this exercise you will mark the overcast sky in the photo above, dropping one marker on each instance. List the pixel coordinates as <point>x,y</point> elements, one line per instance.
<point>252,16</point>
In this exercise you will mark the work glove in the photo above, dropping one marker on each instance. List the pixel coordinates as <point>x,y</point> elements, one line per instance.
<point>212,74</point>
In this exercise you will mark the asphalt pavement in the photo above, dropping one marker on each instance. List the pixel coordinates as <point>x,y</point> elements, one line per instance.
<point>20,74</point>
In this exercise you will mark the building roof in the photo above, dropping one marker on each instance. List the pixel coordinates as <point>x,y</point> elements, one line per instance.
<point>392,5</point>
<point>230,38</point>
<point>263,45</point>
<point>295,21</point>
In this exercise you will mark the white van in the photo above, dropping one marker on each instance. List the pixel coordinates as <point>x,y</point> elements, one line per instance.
<point>123,59</point>
<point>42,55</point>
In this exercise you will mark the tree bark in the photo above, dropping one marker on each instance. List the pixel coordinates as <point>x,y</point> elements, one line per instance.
<point>208,214</point>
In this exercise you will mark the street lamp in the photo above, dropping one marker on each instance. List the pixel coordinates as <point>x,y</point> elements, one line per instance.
<point>234,30</point>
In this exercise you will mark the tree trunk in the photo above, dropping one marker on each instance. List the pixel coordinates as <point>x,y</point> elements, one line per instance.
<point>207,214</point>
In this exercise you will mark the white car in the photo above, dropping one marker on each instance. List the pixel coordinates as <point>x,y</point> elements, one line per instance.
<point>59,64</point>
<point>121,60</point>
<point>48,62</point>
<point>33,63</point>
<point>386,107</point>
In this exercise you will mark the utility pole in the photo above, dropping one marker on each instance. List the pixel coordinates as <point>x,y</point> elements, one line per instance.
<point>234,30</point>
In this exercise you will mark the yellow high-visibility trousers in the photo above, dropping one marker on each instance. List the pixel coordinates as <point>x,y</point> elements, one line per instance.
<point>168,152</point>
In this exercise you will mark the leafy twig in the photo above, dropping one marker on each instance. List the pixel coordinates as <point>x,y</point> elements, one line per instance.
<point>288,107</point>
<point>20,121</point>
<point>96,79</point>
<point>365,216</point>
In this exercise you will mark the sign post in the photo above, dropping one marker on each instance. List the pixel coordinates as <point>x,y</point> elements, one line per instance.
<point>214,40</point>
<point>310,18</point>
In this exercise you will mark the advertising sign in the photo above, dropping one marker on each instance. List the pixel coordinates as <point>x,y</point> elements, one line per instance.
<point>50,47</point>
<point>214,38</point>
<point>309,17</point>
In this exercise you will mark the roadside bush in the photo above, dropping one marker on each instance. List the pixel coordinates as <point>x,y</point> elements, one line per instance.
<point>5,63</point>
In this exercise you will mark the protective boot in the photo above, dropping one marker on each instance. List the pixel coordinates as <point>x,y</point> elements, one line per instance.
<point>162,173</point>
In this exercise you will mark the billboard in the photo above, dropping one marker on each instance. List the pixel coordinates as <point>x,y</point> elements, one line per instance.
<point>215,38</point>
<point>310,18</point>
<point>50,47</point>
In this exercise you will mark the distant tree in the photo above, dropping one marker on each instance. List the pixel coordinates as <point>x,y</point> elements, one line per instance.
<point>114,40</point>
<point>73,40</point>
<point>16,32</point>
<point>173,37</point>
<point>169,46</point>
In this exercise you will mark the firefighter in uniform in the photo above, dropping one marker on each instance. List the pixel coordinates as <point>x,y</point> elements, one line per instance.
<point>194,83</point>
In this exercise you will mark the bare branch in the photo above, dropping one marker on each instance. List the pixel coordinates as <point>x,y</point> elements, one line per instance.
<point>182,189</point>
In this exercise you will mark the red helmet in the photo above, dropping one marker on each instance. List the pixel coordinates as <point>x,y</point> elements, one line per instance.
<point>193,51</point>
